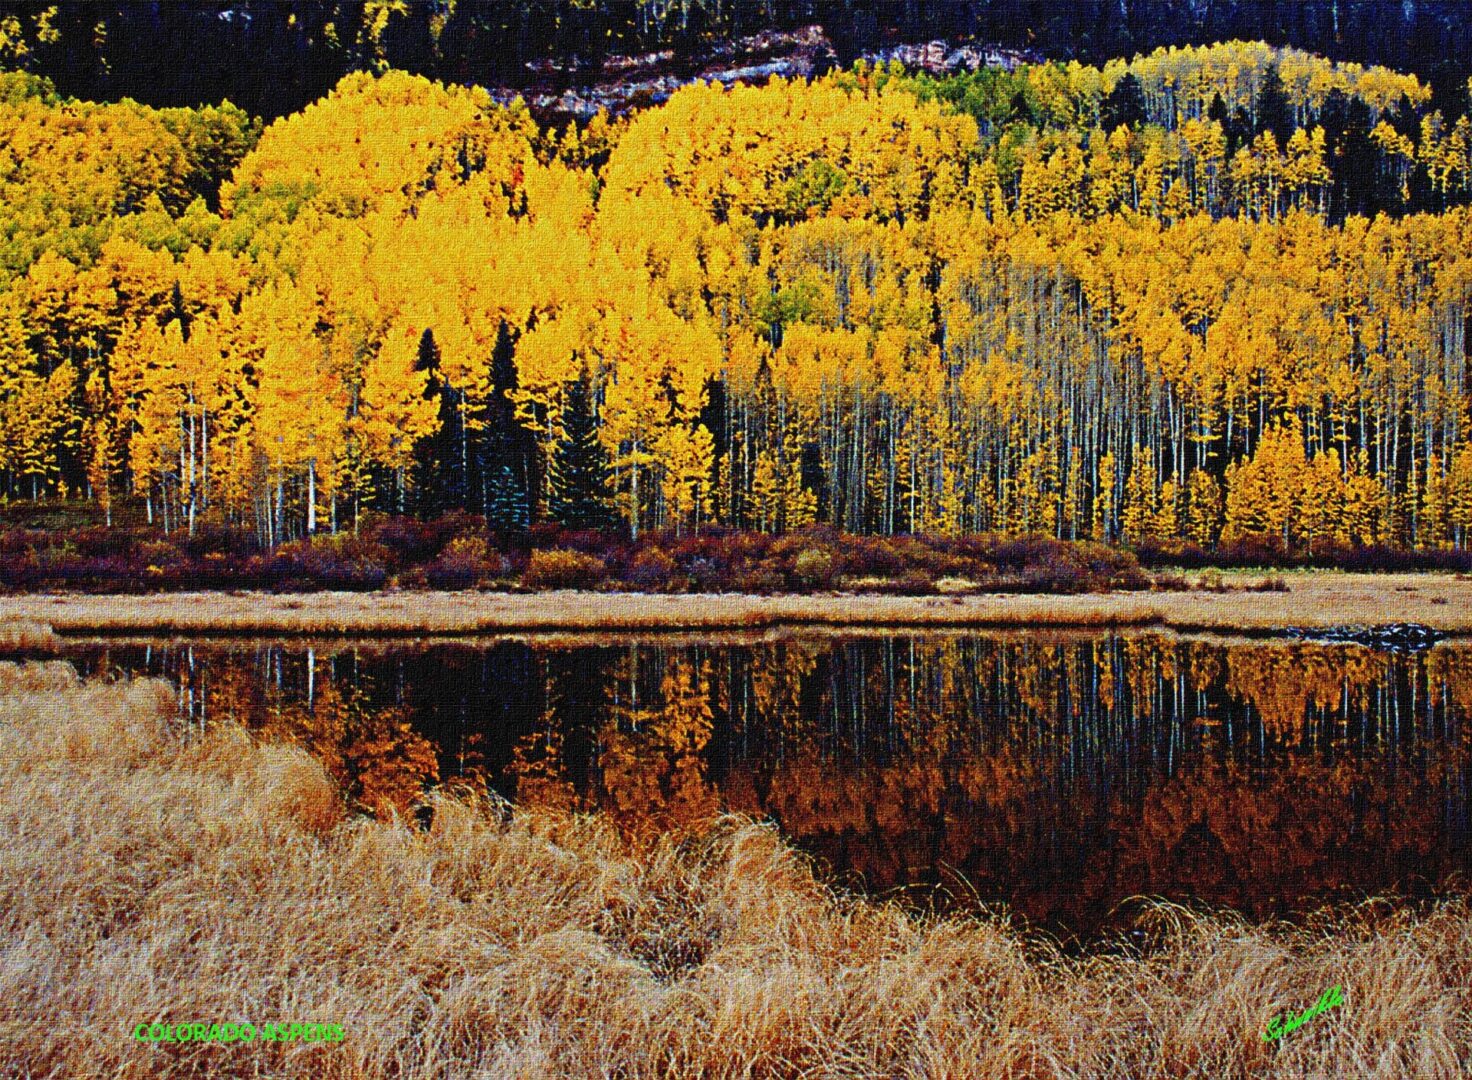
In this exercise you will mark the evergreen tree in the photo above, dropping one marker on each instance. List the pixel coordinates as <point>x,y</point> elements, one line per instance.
<point>1359,181</point>
<point>579,467</point>
<point>505,498</point>
<point>1125,104</point>
<point>1334,118</point>
<point>1274,110</point>
<point>1217,110</point>
<point>1238,131</point>
<point>176,305</point>
<point>1234,127</point>
<point>435,484</point>
<point>503,446</point>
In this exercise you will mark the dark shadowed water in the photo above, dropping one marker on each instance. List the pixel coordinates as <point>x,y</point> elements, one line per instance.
<point>1058,775</point>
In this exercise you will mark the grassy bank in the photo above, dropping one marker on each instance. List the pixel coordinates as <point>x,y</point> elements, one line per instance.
<point>158,874</point>
<point>1234,602</point>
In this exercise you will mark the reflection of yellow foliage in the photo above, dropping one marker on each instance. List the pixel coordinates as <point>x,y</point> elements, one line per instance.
<point>1141,672</point>
<point>1249,837</point>
<point>540,770</point>
<point>1037,673</point>
<point>1449,673</point>
<point>652,759</point>
<point>378,758</point>
<point>1204,665</point>
<point>1284,681</point>
<point>895,757</point>
<point>777,673</point>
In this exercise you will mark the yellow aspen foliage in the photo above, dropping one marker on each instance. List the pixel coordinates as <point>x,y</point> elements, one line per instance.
<point>1321,502</point>
<point>38,422</point>
<point>1141,509</point>
<point>98,445</point>
<point>1366,504</point>
<point>844,285</point>
<point>1166,523</point>
<point>1459,495</point>
<point>800,505</point>
<point>766,494</point>
<point>1203,508</point>
<point>688,457</point>
<point>1432,520</point>
<point>1263,491</point>
<point>384,140</point>
<point>392,411</point>
<point>1104,511</point>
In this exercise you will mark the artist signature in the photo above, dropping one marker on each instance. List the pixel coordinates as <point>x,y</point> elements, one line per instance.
<point>1280,1027</point>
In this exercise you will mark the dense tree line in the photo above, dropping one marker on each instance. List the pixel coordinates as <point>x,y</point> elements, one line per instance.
<point>273,57</point>
<point>1239,128</point>
<point>852,301</point>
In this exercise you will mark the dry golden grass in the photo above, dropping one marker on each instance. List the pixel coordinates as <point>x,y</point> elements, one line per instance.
<point>152,872</point>
<point>23,633</point>
<point>1313,598</point>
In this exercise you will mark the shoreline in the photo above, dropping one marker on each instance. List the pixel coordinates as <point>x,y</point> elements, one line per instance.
<point>1313,599</point>
<point>551,914</point>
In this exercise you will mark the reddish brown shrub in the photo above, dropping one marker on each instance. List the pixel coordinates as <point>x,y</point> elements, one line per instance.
<point>656,570</point>
<point>562,569</point>
<point>466,561</point>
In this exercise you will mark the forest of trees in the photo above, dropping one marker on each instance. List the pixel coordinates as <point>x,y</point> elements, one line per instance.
<point>1205,295</point>
<point>273,57</point>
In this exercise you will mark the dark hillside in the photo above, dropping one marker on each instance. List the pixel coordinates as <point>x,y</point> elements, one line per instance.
<point>272,58</point>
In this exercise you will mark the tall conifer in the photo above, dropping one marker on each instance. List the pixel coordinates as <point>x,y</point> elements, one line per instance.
<point>579,467</point>
<point>503,446</point>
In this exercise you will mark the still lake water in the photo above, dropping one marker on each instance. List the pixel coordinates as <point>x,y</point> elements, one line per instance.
<point>1058,774</point>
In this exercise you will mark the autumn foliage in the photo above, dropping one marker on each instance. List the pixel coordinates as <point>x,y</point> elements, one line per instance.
<point>1121,304</point>
<point>457,552</point>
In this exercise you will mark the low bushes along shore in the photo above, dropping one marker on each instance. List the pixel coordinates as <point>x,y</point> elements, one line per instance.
<point>456,552</point>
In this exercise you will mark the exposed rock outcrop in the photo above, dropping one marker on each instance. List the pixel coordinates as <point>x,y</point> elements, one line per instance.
<point>573,88</point>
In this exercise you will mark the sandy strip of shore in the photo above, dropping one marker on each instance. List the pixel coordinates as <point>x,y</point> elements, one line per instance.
<point>1443,601</point>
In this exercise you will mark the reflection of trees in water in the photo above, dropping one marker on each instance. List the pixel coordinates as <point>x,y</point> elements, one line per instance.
<point>375,753</point>
<point>1292,685</point>
<point>1067,776</point>
<point>1063,774</point>
<point>1449,675</point>
<point>538,770</point>
<point>1253,837</point>
<point>325,704</point>
<point>652,750</point>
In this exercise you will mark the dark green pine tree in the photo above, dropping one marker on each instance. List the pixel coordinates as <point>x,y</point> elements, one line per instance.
<point>1274,110</point>
<point>504,445</point>
<point>440,479</point>
<point>579,469</point>
<point>427,494</point>
<point>1235,125</point>
<point>506,505</point>
<point>1124,106</point>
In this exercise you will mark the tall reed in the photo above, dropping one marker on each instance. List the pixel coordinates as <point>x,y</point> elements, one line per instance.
<point>155,872</point>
